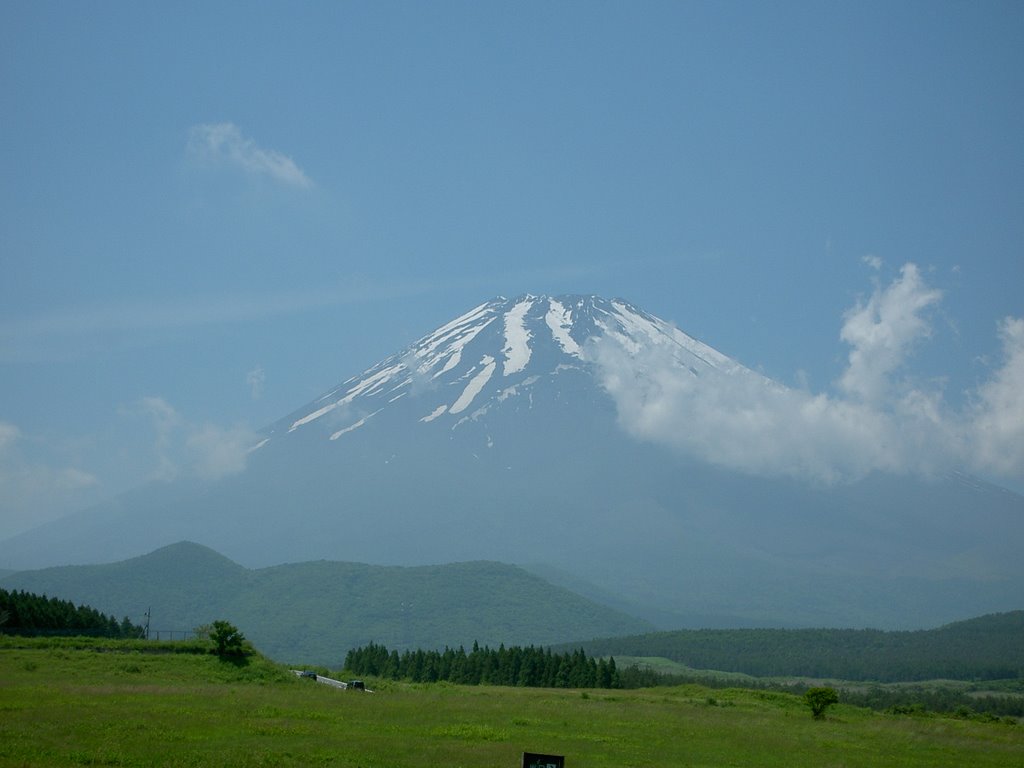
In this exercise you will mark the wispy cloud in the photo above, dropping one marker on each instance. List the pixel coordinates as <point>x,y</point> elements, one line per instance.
<point>256,378</point>
<point>166,424</point>
<point>59,333</point>
<point>224,143</point>
<point>43,478</point>
<point>872,261</point>
<point>877,419</point>
<point>181,447</point>
<point>214,451</point>
<point>45,336</point>
<point>33,491</point>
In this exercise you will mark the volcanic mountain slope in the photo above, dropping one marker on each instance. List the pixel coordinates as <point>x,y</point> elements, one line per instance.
<point>494,437</point>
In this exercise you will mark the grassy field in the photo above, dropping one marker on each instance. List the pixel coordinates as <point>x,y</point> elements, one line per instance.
<point>62,706</point>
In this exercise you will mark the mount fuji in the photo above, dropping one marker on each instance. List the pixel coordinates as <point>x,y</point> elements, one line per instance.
<point>497,437</point>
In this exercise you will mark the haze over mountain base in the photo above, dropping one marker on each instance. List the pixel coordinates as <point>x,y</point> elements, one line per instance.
<point>492,438</point>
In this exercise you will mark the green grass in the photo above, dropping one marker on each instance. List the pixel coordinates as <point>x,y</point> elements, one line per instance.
<point>62,706</point>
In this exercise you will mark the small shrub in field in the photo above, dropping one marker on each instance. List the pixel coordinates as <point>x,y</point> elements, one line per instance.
<point>227,640</point>
<point>820,699</point>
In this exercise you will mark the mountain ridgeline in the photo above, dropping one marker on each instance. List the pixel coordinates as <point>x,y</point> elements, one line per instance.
<point>494,438</point>
<point>394,622</point>
<point>315,612</point>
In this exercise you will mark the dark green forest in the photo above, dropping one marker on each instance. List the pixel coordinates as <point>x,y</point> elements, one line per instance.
<point>24,613</point>
<point>515,666</point>
<point>986,648</point>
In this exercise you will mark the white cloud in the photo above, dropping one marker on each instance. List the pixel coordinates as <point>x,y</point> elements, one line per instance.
<point>215,452</point>
<point>256,379</point>
<point>748,423</point>
<point>882,331</point>
<point>206,450</point>
<point>166,423</point>
<point>872,261</point>
<point>224,143</point>
<point>997,416</point>
<point>877,420</point>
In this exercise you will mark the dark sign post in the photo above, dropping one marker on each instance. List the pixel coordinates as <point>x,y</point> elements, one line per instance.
<point>530,760</point>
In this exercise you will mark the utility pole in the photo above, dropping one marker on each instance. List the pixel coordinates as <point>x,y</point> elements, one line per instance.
<point>148,610</point>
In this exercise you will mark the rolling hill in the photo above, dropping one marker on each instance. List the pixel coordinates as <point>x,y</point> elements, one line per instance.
<point>315,612</point>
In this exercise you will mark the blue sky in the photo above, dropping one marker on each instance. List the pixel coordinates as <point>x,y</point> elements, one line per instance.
<point>214,212</point>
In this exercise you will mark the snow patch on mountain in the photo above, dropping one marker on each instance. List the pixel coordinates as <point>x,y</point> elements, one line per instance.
<point>454,336</point>
<point>514,390</point>
<point>312,416</point>
<point>353,427</point>
<point>476,384</point>
<point>259,445</point>
<point>459,338</point>
<point>434,414</point>
<point>517,338</point>
<point>368,386</point>
<point>559,320</point>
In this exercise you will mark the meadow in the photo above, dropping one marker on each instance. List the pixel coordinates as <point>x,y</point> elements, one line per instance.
<point>66,704</point>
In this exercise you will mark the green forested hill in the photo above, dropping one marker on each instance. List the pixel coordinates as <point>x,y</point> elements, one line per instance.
<point>315,612</point>
<point>987,648</point>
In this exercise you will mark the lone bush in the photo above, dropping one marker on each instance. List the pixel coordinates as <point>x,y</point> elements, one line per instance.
<point>819,699</point>
<point>227,640</point>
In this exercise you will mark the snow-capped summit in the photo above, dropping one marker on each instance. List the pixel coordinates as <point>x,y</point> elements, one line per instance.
<point>497,351</point>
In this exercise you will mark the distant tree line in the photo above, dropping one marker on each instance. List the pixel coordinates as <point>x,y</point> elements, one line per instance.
<point>24,613</point>
<point>514,666</point>
<point>987,648</point>
<point>973,701</point>
<point>920,700</point>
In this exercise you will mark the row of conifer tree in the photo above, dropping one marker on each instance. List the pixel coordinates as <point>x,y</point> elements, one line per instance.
<point>24,613</point>
<point>531,667</point>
